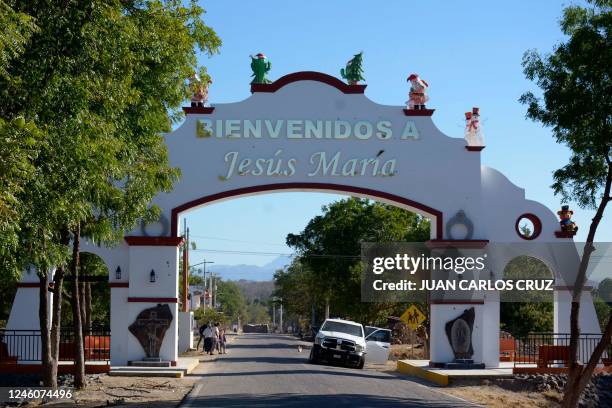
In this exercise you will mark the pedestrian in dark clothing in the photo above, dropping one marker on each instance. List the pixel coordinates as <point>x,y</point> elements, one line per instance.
<point>209,335</point>
<point>201,331</point>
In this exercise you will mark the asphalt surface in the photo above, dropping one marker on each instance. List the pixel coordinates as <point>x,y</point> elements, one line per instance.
<point>268,371</point>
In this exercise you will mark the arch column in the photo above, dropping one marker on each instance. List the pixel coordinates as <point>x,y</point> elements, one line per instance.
<point>129,297</point>
<point>587,318</point>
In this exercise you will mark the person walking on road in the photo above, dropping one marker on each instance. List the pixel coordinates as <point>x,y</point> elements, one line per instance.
<point>201,331</point>
<point>209,335</point>
<point>222,342</point>
<point>215,338</point>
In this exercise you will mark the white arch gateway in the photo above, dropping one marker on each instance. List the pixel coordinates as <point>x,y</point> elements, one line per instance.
<point>309,131</point>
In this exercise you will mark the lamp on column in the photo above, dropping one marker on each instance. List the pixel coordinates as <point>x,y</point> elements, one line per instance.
<point>118,273</point>
<point>152,276</point>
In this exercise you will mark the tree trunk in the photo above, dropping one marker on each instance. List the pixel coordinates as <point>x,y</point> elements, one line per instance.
<point>79,351</point>
<point>577,378</point>
<point>56,323</point>
<point>88,304</point>
<point>82,305</point>
<point>327,308</point>
<point>49,365</point>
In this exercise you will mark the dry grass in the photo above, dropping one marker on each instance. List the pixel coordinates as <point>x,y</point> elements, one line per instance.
<point>497,397</point>
<point>406,351</point>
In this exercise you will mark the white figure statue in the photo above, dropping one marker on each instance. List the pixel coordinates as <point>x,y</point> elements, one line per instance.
<point>199,90</point>
<point>473,128</point>
<point>418,92</point>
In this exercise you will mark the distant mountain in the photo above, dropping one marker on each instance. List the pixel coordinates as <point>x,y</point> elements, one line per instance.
<point>251,272</point>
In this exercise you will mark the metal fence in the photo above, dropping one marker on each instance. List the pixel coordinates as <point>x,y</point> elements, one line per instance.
<point>25,345</point>
<point>545,350</point>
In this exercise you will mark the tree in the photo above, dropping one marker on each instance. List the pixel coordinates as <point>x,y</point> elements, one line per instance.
<point>534,311</point>
<point>19,147</point>
<point>209,315</point>
<point>112,76</point>
<point>231,300</point>
<point>575,80</point>
<point>330,247</point>
<point>258,313</point>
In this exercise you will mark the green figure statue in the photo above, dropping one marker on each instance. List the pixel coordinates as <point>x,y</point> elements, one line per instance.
<point>260,66</point>
<point>353,72</point>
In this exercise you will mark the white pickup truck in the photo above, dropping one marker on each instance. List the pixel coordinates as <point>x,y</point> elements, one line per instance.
<point>345,341</point>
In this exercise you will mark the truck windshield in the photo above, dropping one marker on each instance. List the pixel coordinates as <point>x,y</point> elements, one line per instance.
<point>343,328</point>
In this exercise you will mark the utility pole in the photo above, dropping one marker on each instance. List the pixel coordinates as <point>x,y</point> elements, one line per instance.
<point>185,267</point>
<point>281,315</point>
<point>280,300</point>
<point>211,291</point>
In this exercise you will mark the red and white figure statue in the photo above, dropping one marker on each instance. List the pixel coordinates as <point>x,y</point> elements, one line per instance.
<point>418,92</point>
<point>199,90</point>
<point>473,128</point>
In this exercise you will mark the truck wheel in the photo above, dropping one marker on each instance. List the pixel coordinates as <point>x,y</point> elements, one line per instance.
<point>361,363</point>
<point>312,358</point>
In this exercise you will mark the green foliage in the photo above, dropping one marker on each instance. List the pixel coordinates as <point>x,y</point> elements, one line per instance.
<point>209,315</point>
<point>101,81</point>
<point>534,312</point>
<point>195,280</point>
<point>328,266</point>
<point>258,313</point>
<point>603,311</point>
<point>604,290</point>
<point>576,83</point>
<point>17,28</point>
<point>231,300</point>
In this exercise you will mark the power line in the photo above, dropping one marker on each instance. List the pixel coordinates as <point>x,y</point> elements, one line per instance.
<point>236,240</point>
<point>291,255</point>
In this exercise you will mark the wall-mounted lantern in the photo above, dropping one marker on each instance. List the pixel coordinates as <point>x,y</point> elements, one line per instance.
<point>118,273</point>
<point>152,276</point>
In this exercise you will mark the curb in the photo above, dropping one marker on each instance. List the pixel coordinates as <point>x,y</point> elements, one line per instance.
<point>410,369</point>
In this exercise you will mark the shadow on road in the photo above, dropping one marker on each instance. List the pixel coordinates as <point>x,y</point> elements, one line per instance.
<point>270,360</point>
<point>263,346</point>
<point>323,372</point>
<point>298,400</point>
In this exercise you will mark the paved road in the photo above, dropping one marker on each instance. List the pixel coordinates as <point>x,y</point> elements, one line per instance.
<point>268,371</point>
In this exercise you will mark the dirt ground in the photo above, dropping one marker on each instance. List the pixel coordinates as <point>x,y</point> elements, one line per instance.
<point>407,351</point>
<point>493,396</point>
<point>126,391</point>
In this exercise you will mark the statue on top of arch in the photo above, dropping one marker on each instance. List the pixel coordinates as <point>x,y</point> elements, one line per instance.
<point>261,65</point>
<point>473,128</point>
<point>198,86</point>
<point>353,72</point>
<point>418,92</point>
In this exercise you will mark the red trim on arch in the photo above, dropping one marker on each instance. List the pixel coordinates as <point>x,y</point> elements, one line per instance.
<point>419,112</point>
<point>307,186</point>
<point>153,241</point>
<point>308,76</point>
<point>152,300</point>
<point>198,109</point>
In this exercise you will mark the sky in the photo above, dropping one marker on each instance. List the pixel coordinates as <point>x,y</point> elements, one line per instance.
<point>469,52</point>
